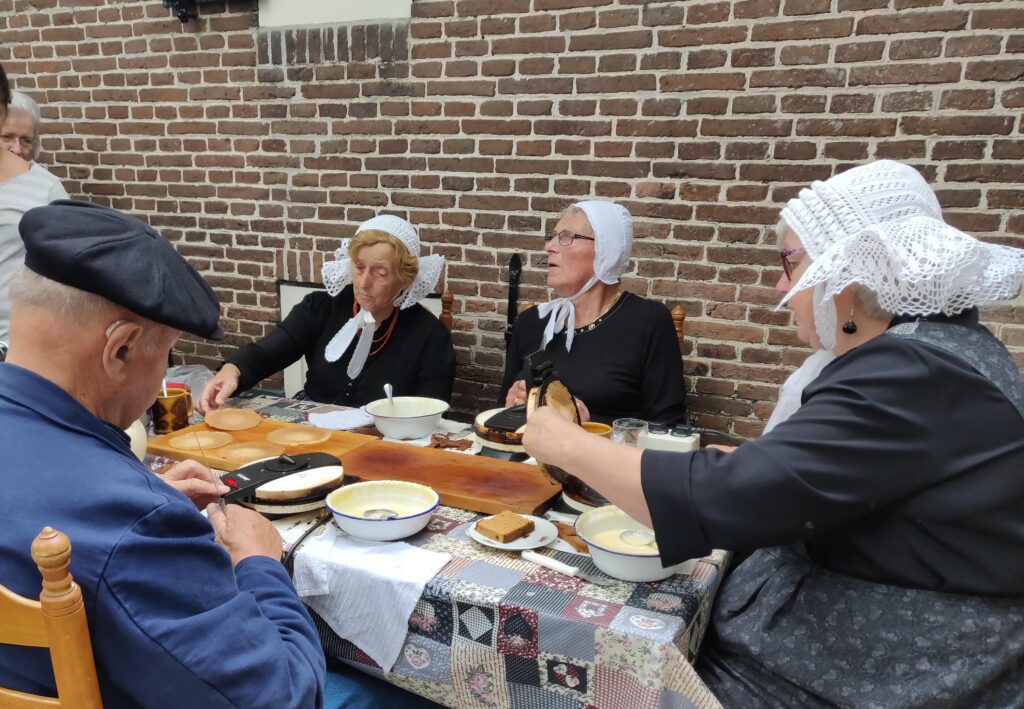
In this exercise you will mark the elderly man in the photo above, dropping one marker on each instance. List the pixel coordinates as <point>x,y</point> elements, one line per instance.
<point>181,615</point>
<point>20,132</point>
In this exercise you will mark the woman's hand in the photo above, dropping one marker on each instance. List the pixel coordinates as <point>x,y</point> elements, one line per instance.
<point>582,408</point>
<point>548,436</point>
<point>218,389</point>
<point>516,393</point>
<point>196,482</point>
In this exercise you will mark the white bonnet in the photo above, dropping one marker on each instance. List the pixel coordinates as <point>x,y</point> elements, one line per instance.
<point>879,192</point>
<point>338,273</point>
<point>613,237</point>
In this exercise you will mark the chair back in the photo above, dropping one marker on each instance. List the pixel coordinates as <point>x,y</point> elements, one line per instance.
<point>679,322</point>
<point>57,622</point>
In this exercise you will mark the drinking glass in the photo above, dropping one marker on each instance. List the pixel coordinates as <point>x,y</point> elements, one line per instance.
<point>628,431</point>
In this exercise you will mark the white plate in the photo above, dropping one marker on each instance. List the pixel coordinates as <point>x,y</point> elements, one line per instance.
<point>543,534</point>
<point>425,443</point>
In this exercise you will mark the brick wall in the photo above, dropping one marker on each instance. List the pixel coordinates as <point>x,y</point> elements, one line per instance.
<point>478,120</point>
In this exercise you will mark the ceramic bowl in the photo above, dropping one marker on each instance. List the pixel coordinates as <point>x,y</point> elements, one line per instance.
<point>635,565</point>
<point>412,502</point>
<point>413,416</point>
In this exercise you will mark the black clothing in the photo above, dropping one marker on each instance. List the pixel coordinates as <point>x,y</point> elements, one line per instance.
<point>624,365</point>
<point>903,467</point>
<point>418,359</point>
<point>123,259</point>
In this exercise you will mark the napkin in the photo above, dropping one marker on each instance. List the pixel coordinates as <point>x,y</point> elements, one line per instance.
<point>365,591</point>
<point>342,420</point>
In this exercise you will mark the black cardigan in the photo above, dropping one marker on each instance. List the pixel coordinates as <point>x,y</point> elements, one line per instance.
<point>624,365</point>
<point>418,359</point>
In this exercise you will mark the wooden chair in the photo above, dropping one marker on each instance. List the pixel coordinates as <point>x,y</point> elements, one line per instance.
<point>679,321</point>
<point>56,621</point>
<point>447,300</point>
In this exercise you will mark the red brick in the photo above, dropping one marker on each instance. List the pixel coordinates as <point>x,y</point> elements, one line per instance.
<point>746,127</point>
<point>968,99</point>
<point>703,82</point>
<point>806,7</point>
<point>898,23</point>
<point>798,77</point>
<point>801,29</point>
<point>754,9</point>
<point>997,70</point>
<point>1009,18</point>
<point>836,127</point>
<point>905,73</point>
<point>919,48</point>
<point>860,51</point>
<point>704,35</point>
<point>958,125</point>
<point>973,45</point>
<point>607,41</point>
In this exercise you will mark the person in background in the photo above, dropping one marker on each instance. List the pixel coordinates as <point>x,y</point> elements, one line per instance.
<point>616,352</point>
<point>368,329</point>
<point>23,185</point>
<point>886,513</point>
<point>19,133</point>
<point>879,192</point>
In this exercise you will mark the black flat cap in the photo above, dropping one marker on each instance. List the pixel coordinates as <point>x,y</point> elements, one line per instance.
<point>102,251</point>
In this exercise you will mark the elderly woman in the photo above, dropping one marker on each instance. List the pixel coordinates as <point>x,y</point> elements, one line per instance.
<point>19,133</point>
<point>23,186</point>
<point>368,329</point>
<point>882,192</point>
<point>617,352</point>
<point>891,500</point>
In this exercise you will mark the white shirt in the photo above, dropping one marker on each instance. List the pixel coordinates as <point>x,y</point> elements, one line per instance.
<point>33,188</point>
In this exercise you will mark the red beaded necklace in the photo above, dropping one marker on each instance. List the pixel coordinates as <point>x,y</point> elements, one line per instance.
<point>383,339</point>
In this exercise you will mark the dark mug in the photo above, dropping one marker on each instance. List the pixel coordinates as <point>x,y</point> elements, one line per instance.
<point>171,412</point>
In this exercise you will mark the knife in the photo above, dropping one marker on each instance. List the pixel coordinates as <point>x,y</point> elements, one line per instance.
<point>515,270</point>
<point>556,565</point>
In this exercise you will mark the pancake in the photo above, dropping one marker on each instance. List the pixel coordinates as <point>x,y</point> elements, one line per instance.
<point>301,485</point>
<point>248,452</point>
<point>233,419</point>
<point>200,440</point>
<point>299,435</point>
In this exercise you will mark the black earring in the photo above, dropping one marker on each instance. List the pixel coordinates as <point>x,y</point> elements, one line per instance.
<point>850,327</point>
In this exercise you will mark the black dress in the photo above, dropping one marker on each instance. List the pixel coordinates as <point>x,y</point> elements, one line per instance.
<point>418,359</point>
<point>890,512</point>
<point>626,364</point>
<point>903,466</point>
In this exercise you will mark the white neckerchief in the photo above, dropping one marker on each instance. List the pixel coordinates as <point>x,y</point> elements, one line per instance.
<point>363,323</point>
<point>563,316</point>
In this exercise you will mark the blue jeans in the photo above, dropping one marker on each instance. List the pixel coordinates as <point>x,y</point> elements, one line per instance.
<point>348,688</point>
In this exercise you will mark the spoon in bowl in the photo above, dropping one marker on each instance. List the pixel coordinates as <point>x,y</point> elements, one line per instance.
<point>637,538</point>
<point>388,390</point>
<point>380,513</point>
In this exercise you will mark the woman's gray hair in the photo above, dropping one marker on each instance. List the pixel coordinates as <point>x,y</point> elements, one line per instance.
<point>29,288</point>
<point>21,101</point>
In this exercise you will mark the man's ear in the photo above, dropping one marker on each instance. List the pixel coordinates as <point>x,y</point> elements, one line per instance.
<point>118,350</point>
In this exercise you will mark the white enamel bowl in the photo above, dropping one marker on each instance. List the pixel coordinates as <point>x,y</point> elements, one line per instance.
<point>412,502</point>
<point>639,565</point>
<point>413,417</point>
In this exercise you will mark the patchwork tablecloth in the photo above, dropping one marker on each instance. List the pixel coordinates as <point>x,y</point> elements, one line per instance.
<point>493,630</point>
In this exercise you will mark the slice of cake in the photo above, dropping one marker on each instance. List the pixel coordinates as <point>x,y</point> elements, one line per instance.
<point>505,527</point>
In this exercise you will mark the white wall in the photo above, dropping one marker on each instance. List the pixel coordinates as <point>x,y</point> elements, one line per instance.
<point>300,13</point>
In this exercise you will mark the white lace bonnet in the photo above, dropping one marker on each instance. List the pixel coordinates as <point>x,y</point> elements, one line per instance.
<point>843,206</point>
<point>338,273</point>
<point>915,263</point>
<point>613,245</point>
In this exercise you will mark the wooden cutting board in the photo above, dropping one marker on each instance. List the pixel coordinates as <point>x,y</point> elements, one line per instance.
<point>339,443</point>
<point>469,482</point>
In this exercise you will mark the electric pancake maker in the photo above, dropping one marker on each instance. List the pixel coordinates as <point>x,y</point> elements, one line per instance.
<point>287,484</point>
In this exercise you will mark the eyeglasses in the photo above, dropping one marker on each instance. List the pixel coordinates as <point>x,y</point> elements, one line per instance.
<point>565,237</point>
<point>787,265</point>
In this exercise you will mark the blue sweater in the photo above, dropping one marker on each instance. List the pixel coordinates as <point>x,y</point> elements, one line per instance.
<point>172,624</point>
